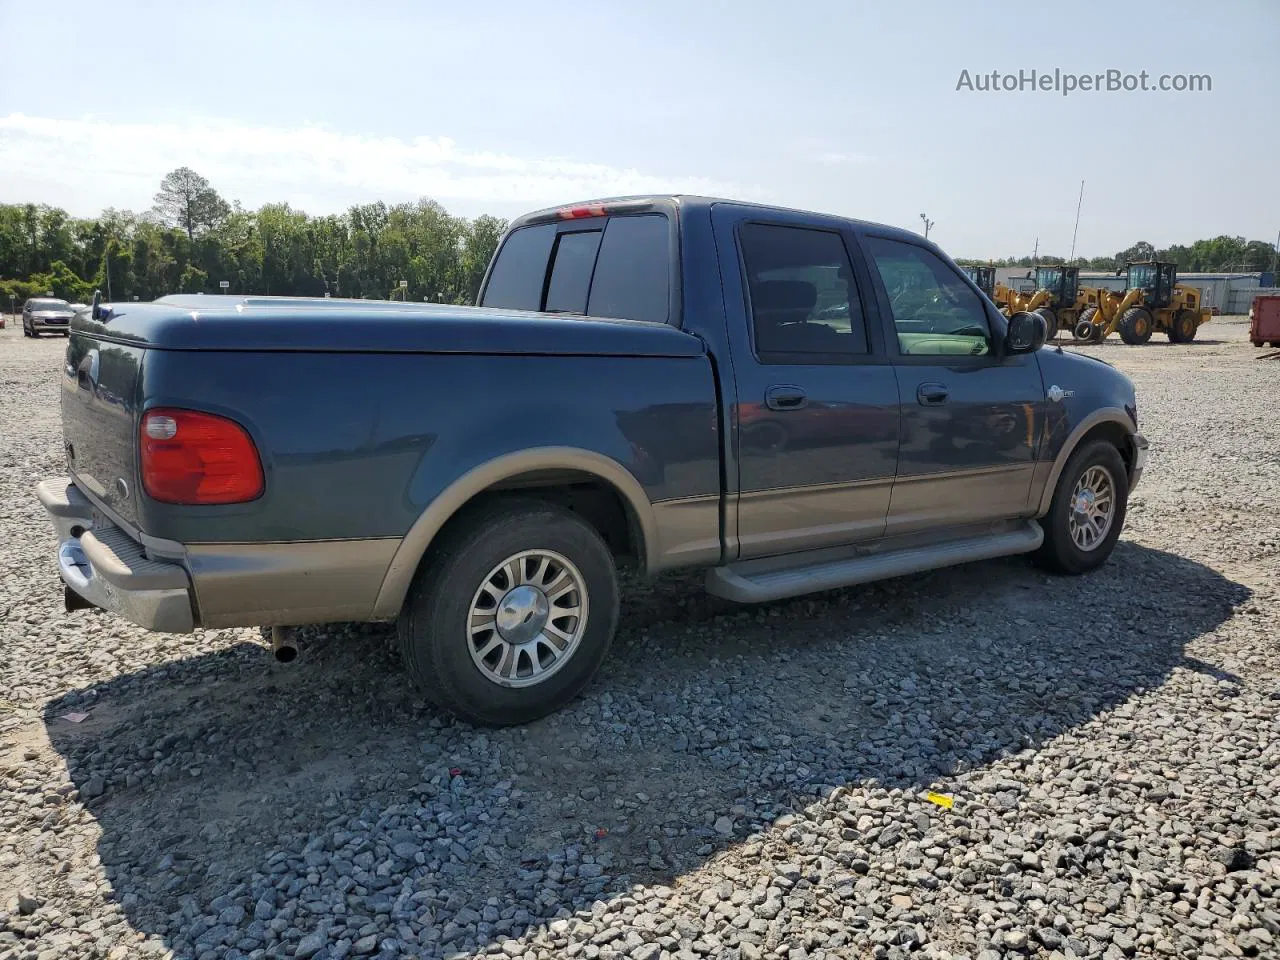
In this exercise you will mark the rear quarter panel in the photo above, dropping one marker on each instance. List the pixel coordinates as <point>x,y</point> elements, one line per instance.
<point>357,446</point>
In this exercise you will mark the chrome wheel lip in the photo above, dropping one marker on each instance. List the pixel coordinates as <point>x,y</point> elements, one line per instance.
<point>527,618</point>
<point>1092,508</point>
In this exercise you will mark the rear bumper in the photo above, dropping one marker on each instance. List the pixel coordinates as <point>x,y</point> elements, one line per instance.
<point>211,584</point>
<point>102,564</point>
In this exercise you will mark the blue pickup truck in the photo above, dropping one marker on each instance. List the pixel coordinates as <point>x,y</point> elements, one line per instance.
<point>791,401</point>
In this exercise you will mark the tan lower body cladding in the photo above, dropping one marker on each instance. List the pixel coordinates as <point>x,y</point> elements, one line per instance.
<point>268,584</point>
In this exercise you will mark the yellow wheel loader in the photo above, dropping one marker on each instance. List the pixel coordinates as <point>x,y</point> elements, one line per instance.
<point>1010,299</point>
<point>985,278</point>
<point>1153,300</point>
<point>1057,297</point>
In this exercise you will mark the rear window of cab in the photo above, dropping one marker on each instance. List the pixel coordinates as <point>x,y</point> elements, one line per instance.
<point>618,267</point>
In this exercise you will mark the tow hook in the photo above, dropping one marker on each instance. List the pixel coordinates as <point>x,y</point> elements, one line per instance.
<point>284,644</point>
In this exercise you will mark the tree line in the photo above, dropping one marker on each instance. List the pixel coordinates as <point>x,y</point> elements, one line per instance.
<point>193,238</point>
<point>1219,255</point>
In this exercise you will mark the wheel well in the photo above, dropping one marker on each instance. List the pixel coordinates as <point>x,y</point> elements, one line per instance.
<point>1115,434</point>
<point>594,500</point>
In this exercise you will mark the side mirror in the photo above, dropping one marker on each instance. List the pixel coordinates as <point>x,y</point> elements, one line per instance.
<point>1027,333</point>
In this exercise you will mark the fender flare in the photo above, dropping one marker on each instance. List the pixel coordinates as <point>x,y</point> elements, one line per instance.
<point>1099,417</point>
<point>414,546</point>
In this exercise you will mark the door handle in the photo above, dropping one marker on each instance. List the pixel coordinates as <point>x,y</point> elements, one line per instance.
<point>87,371</point>
<point>932,394</point>
<point>785,397</point>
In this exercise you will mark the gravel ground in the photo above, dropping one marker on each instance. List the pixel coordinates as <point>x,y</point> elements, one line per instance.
<point>737,784</point>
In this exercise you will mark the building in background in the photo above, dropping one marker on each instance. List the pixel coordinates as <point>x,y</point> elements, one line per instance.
<point>1229,292</point>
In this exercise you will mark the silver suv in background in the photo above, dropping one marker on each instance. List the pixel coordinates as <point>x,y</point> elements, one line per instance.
<point>40,314</point>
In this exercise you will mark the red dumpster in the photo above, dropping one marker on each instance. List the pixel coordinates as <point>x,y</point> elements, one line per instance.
<point>1264,321</point>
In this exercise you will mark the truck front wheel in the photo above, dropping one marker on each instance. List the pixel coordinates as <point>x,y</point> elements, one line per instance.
<point>512,615</point>
<point>1087,511</point>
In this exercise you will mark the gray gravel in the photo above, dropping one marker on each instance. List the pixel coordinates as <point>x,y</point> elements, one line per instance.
<point>738,783</point>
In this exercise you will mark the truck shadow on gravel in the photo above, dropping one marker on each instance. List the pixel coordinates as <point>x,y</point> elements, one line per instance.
<point>244,805</point>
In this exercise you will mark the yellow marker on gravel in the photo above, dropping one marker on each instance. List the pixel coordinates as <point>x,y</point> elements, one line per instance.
<point>941,799</point>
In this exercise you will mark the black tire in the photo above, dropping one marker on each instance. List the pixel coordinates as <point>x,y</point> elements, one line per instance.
<point>432,629</point>
<point>1050,321</point>
<point>1136,326</point>
<point>1085,328</point>
<point>1183,328</point>
<point>1059,552</point>
<point>1274,343</point>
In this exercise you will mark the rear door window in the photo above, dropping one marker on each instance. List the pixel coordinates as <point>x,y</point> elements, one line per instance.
<point>516,280</point>
<point>804,300</point>
<point>633,272</point>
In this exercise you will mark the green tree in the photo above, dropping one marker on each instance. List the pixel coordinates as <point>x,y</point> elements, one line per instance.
<point>186,200</point>
<point>480,243</point>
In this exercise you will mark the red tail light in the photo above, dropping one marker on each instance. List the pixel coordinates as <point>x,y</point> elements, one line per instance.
<point>576,213</point>
<point>198,458</point>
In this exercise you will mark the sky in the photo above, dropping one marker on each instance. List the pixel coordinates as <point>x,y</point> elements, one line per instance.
<point>502,107</point>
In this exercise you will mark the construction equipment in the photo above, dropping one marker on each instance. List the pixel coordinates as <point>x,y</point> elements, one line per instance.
<point>1010,299</point>
<point>985,278</point>
<point>1153,300</point>
<point>1058,297</point>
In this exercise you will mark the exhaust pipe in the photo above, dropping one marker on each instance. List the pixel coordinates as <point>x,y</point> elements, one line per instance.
<point>73,601</point>
<point>283,646</point>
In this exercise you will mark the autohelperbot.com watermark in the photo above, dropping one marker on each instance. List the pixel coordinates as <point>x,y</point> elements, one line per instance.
<point>1065,83</point>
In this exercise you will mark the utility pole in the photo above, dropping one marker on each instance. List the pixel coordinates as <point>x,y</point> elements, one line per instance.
<point>106,265</point>
<point>927,224</point>
<point>1076,228</point>
<point>1275,254</point>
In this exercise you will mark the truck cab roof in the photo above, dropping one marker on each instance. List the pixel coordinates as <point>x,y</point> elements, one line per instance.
<point>605,206</point>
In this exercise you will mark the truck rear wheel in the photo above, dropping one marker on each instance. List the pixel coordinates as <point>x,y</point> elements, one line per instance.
<point>1087,511</point>
<point>513,614</point>
<point>1136,326</point>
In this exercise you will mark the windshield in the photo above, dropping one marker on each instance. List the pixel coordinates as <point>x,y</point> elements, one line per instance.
<point>50,305</point>
<point>1048,277</point>
<point>1143,275</point>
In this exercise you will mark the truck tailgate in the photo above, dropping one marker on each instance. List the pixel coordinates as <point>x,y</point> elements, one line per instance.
<point>100,396</point>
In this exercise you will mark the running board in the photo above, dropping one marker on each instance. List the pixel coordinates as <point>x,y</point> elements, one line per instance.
<point>740,583</point>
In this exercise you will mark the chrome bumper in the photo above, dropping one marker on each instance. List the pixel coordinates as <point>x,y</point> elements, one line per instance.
<point>1140,447</point>
<point>102,564</point>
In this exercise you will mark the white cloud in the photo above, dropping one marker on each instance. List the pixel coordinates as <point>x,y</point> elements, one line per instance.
<point>834,159</point>
<point>104,163</point>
